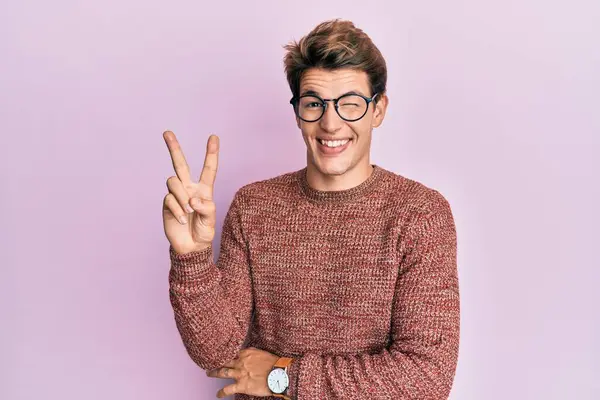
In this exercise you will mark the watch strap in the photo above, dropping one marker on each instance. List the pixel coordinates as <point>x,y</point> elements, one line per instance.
<point>283,362</point>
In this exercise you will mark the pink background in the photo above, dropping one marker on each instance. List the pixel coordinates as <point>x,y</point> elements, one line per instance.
<point>494,103</point>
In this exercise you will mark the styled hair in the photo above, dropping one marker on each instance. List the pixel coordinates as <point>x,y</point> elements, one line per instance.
<point>332,45</point>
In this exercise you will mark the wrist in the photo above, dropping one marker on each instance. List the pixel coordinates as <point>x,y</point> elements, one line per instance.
<point>192,249</point>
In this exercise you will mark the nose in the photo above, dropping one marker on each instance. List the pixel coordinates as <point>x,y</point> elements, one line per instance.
<point>330,121</point>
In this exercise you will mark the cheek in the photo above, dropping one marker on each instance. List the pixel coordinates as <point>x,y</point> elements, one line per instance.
<point>306,135</point>
<point>360,129</point>
<point>307,131</point>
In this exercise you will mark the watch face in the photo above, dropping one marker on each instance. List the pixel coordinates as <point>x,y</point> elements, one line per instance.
<point>277,380</point>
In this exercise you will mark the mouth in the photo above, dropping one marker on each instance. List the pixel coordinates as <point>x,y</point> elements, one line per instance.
<point>333,147</point>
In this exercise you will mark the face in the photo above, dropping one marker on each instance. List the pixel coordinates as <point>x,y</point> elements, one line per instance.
<point>329,84</point>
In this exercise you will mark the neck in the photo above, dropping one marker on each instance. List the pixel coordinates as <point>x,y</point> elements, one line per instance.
<point>349,179</point>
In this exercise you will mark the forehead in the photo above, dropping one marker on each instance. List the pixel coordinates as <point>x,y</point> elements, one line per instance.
<point>333,83</point>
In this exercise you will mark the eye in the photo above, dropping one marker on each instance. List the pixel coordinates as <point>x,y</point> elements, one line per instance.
<point>351,101</point>
<point>313,104</point>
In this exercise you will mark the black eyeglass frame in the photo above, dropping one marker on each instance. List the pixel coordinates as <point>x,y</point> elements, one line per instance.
<point>294,102</point>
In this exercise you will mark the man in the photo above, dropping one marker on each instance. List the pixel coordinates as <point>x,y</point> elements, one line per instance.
<point>337,281</point>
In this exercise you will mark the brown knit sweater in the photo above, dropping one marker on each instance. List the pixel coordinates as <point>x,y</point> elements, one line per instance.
<point>360,286</point>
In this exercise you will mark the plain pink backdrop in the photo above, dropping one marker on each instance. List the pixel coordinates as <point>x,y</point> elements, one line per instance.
<point>494,103</point>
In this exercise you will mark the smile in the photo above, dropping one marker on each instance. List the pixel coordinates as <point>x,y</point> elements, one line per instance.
<point>333,146</point>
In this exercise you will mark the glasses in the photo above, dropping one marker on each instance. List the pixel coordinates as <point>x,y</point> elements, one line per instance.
<point>350,107</point>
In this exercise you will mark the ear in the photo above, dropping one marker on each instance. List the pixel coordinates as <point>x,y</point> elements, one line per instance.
<point>380,109</point>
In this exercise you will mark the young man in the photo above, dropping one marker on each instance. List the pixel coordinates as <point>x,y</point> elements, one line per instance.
<point>337,281</point>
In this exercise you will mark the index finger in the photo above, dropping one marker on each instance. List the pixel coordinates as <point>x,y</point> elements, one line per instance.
<point>211,161</point>
<point>179,163</point>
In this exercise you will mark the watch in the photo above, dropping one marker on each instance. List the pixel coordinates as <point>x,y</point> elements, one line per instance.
<point>278,380</point>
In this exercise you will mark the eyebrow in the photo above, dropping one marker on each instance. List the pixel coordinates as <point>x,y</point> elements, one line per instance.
<point>313,93</point>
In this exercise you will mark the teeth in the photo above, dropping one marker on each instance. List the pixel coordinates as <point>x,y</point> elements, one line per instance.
<point>333,143</point>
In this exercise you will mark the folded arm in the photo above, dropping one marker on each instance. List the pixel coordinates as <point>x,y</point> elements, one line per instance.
<point>421,360</point>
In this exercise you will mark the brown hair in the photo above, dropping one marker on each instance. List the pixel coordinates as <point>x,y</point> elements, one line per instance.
<point>331,45</point>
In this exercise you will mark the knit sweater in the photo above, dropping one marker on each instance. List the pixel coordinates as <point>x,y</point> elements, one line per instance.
<point>359,286</point>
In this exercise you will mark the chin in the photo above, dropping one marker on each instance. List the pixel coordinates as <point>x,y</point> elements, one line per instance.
<point>329,167</point>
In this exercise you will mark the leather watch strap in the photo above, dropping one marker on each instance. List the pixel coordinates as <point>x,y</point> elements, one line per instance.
<point>283,362</point>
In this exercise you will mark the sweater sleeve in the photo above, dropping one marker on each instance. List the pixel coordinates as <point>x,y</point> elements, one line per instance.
<point>421,357</point>
<point>212,302</point>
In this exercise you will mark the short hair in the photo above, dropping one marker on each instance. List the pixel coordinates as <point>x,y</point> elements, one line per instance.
<point>332,45</point>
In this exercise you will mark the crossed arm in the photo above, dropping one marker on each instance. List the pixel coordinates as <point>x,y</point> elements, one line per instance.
<point>421,359</point>
<point>213,308</point>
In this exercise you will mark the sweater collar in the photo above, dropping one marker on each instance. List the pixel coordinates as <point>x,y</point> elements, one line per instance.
<point>337,196</point>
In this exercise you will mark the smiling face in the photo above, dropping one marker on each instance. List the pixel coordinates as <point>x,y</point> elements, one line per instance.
<point>350,155</point>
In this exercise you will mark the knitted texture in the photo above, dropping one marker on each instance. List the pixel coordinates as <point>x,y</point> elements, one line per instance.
<point>359,286</point>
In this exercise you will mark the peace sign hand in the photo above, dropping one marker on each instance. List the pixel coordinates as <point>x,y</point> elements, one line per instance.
<point>189,212</point>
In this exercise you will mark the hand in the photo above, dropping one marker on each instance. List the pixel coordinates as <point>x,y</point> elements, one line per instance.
<point>189,212</point>
<point>250,370</point>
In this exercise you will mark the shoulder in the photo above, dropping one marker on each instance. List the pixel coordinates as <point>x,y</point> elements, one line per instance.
<point>421,211</point>
<point>278,189</point>
<point>411,195</point>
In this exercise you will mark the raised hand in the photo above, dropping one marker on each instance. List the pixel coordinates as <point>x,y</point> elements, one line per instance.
<point>189,212</point>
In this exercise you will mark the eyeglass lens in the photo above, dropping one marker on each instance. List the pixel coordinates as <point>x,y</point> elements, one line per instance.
<point>350,107</point>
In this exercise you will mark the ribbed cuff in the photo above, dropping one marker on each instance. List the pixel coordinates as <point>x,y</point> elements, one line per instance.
<point>293,371</point>
<point>193,266</point>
